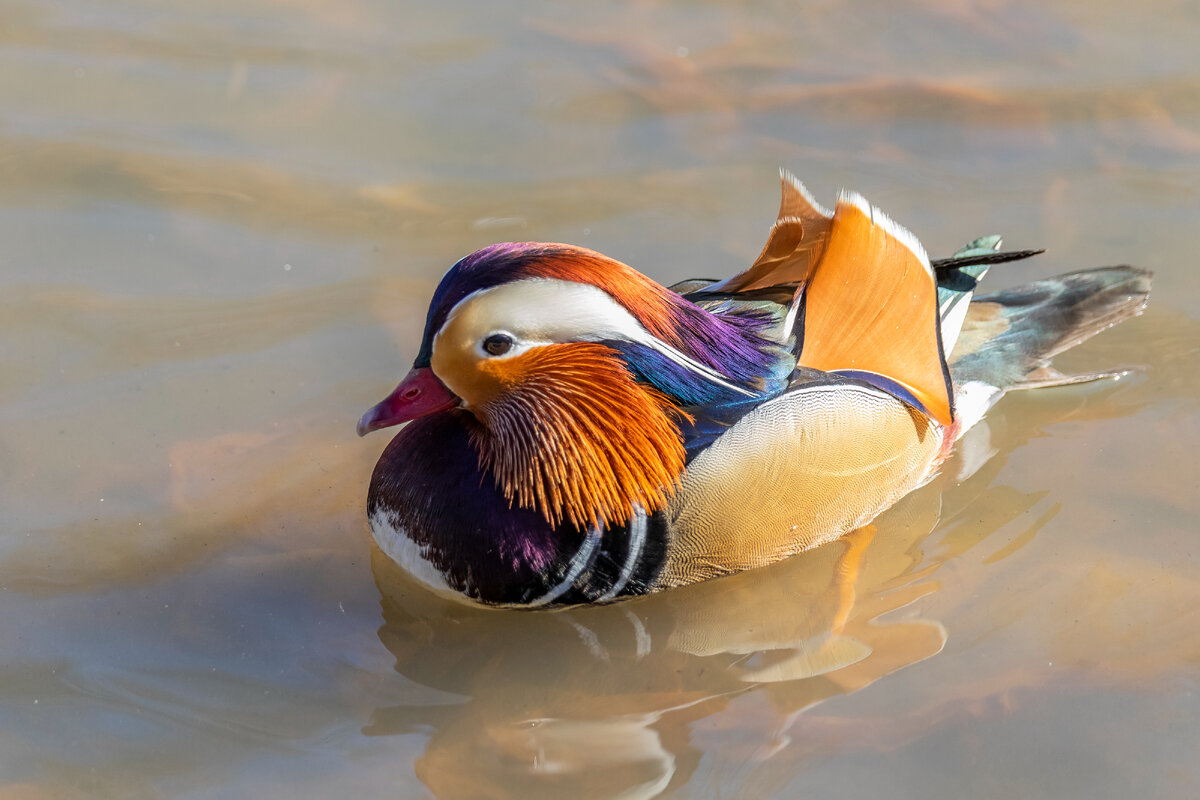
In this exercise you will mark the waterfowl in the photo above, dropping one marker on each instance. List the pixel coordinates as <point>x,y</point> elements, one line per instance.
<point>578,433</point>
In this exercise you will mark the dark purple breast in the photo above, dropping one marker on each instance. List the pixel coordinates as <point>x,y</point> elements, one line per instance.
<point>429,484</point>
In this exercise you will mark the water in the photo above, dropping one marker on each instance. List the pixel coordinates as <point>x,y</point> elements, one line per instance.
<point>221,227</point>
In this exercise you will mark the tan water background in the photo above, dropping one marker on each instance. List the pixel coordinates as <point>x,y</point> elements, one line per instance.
<point>220,224</point>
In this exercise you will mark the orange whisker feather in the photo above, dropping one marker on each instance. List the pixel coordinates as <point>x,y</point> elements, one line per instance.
<point>574,437</point>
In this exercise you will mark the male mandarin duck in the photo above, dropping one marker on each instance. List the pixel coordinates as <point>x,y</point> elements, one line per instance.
<point>579,433</point>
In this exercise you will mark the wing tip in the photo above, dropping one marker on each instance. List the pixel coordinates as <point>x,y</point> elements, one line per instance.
<point>787,178</point>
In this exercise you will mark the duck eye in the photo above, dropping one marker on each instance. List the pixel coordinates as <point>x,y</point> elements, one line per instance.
<point>498,344</point>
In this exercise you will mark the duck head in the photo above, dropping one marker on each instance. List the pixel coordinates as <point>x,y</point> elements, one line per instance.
<point>573,373</point>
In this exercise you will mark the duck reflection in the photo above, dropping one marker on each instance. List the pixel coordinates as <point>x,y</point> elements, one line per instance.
<point>614,701</point>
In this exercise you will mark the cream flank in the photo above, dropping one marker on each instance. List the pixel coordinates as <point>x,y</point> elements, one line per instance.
<point>800,470</point>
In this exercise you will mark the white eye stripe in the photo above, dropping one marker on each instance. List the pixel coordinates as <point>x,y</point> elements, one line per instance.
<point>542,311</point>
<point>545,309</point>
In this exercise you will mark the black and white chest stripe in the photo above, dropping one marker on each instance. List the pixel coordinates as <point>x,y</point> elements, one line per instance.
<point>619,561</point>
<point>609,563</point>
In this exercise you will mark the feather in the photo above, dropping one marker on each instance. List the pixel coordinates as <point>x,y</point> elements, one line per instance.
<point>575,438</point>
<point>871,306</point>
<point>964,259</point>
<point>1010,336</point>
<point>957,278</point>
<point>794,247</point>
<point>735,350</point>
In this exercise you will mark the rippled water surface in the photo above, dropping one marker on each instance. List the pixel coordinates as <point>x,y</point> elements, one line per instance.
<point>221,223</point>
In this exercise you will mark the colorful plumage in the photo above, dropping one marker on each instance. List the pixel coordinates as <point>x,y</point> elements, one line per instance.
<point>579,433</point>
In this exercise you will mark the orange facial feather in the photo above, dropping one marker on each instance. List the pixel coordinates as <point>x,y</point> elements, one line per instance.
<point>575,438</point>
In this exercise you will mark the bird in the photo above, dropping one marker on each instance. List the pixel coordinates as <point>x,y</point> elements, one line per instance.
<point>578,433</point>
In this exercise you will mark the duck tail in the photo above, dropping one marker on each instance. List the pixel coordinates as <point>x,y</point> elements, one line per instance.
<point>1009,337</point>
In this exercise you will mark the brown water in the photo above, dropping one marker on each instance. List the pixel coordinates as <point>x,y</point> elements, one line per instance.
<point>220,229</point>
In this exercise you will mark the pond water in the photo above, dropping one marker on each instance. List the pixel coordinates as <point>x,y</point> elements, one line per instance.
<point>221,225</point>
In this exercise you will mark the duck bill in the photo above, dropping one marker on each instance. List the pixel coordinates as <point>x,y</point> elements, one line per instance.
<point>419,394</point>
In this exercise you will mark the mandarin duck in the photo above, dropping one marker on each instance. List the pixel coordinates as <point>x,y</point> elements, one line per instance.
<point>578,433</point>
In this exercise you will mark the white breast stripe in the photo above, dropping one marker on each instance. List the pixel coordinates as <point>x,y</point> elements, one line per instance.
<point>637,540</point>
<point>579,562</point>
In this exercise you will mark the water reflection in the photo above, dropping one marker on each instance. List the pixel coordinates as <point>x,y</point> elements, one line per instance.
<point>249,543</point>
<point>625,700</point>
<point>609,698</point>
<point>222,224</point>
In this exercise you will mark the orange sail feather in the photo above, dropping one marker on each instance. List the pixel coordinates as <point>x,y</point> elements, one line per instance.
<point>871,306</point>
<point>794,247</point>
